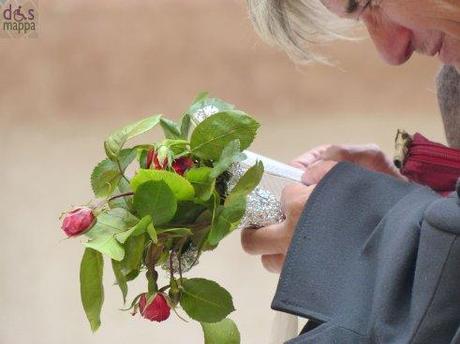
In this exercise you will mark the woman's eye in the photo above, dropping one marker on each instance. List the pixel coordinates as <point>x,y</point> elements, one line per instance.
<point>352,6</point>
<point>356,8</point>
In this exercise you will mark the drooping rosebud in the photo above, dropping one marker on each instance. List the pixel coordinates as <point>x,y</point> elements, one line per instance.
<point>181,165</point>
<point>154,162</point>
<point>158,310</point>
<point>78,221</point>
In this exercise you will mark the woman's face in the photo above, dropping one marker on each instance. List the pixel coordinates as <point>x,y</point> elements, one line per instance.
<point>402,27</point>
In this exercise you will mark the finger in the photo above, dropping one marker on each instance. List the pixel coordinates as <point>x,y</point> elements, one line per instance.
<point>294,196</point>
<point>314,173</point>
<point>265,240</point>
<point>308,158</point>
<point>347,152</point>
<point>273,262</point>
<point>369,156</point>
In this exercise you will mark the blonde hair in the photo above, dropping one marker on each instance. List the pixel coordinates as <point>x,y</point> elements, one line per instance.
<point>296,26</point>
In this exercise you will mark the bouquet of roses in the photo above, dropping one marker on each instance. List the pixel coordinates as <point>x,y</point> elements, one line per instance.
<point>160,206</point>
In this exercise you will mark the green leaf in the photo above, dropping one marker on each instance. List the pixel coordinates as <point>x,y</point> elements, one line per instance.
<point>214,133</point>
<point>116,140</point>
<point>205,301</point>
<point>230,155</point>
<point>185,126</point>
<point>202,101</point>
<point>247,183</point>
<point>123,236</point>
<point>138,229</point>
<point>114,221</point>
<point>121,279</point>
<point>170,128</point>
<point>176,146</point>
<point>141,227</point>
<point>187,212</point>
<point>106,175</point>
<point>155,198</point>
<point>124,187</point>
<point>102,234</point>
<point>180,186</point>
<point>132,275</point>
<point>122,202</point>
<point>222,332</point>
<point>143,158</point>
<point>107,245</point>
<point>134,249</point>
<point>152,233</point>
<point>203,184</point>
<point>227,220</point>
<point>105,178</point>
<point>91,288</point>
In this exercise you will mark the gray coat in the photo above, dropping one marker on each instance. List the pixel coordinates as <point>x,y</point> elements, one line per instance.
<point>374,260</point>
<point>377,260</point>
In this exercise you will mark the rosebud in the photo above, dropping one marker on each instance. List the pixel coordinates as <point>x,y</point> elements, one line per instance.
<point>181,165</point>
<point>161,157</point>
<point>158,310</point>
<point>78,221</point>
<point>153,162</point>
<point>150,155</point>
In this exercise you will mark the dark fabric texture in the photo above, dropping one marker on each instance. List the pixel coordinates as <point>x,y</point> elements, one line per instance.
<point>376,260</point>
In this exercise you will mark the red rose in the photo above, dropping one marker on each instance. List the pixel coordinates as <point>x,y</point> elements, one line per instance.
<point>78,221</point>
<point>158,310</point>
<point>181,165</point>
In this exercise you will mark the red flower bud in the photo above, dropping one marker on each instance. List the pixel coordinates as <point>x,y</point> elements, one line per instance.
<point>152,157</point>
<point>158,310</point>
<point>78,221</point>
<point>182,164</point>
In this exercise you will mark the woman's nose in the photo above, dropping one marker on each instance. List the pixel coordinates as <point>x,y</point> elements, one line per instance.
<point>393,41</point>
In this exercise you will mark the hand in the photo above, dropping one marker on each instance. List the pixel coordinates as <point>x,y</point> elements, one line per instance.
<point>272,242</point>
<point>369,156</point>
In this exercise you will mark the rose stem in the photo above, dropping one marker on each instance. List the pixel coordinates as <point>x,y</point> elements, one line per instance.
<point>130,193</point>
<point>121,171</point>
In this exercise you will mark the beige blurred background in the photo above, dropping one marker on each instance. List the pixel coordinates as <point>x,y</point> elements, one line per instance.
<point>98,65</point>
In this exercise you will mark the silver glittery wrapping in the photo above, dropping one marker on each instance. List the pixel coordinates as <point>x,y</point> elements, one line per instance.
<point>263,207</point>
<point>188,258</point>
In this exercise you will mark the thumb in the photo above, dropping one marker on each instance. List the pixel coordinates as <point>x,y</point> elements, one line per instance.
<point>316,171</point>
